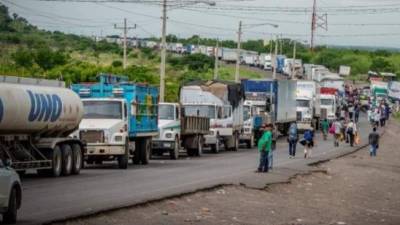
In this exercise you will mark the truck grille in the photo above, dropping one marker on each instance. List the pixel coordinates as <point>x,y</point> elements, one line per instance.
<point>92,136</point>
<point>298,116</point>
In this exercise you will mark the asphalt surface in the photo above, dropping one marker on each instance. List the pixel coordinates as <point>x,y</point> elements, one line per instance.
<point>106,187</point>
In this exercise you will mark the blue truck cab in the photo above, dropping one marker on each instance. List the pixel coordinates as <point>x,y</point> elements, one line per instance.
<point>120,119</point>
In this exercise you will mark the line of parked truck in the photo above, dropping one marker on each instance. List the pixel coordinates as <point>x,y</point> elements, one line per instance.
<point>54,130</point>
<point>281,63</point>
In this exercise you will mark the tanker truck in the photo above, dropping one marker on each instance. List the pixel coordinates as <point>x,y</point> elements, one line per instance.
<point>36,118</point>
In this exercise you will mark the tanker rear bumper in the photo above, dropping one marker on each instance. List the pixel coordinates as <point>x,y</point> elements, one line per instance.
<point>104,149</point>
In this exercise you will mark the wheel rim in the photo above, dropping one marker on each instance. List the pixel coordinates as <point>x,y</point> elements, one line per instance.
<point>200,146</point>
<point>78,160</point>
<point>57,162</point>
<point>68,166</point>
<point>176,150</point>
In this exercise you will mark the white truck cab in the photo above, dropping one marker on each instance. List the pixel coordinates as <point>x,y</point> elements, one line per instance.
<point>169,128</point>
<point>10,193</point>
<point>104,128</point>
<point>304,112</point>
<point>247,135</point>
<point>328,103</point>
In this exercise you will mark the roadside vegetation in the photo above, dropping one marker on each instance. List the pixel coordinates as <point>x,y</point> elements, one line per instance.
<point>28,51</point>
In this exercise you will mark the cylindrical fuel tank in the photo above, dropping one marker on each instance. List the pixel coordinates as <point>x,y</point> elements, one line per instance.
<point>38,110</point>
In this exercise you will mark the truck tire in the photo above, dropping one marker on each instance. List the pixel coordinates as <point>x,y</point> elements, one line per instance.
<point>174,153</point>
<point>199,150</point>
<point>216,147</point>
<point>66,152</point>
<point>250,143</point>
<point>123,159</point>
<point>235,142</point>
<point>10,216</point>
<point>56,161</point>
<point>77,159</point>
<point>145,151</point>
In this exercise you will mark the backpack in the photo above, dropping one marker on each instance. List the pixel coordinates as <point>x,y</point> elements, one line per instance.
<point>308,135</point>
<point>292,133</point>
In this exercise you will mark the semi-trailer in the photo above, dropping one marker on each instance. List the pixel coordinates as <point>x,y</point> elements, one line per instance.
<point>37,117</point>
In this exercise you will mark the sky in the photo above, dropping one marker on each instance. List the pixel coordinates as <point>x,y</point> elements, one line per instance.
<point>374,23</point>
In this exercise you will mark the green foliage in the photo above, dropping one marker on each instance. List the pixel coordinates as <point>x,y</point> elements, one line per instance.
<point>23,57</point>
<point>116,63</point>
<point>381,64</point>
<point>198,62</point>
<point>47,58</point>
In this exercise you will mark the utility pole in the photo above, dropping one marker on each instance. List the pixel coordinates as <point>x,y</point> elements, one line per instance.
<point>313,24</point>
<point>125,28</point>
<point>163,50</point>
<point>276,59</point>
<point>294,58</point>
<point>237,73</point>
<point>216,61</point>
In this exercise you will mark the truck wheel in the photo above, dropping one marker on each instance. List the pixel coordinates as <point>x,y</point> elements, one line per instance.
<point>215,147</point>
<point>56,161</point>
<point>199,150</point>
<point>10,216</point>
<point>250,143</point>
<point>174,153</point>
<point>77,159</point>
<point>66,159</point>
<point>123,159</point>
<point>235,143</point>
<point>145,150</point>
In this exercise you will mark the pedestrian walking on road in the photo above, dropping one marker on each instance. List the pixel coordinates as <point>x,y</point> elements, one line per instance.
<point>383,115</point>
<point>377,116</point>
<point>273,147</point>
<point>356,112</point>
<point>351,130</point>
<point>309,143</point>
<point>325,128</point>
<point>373,139</point>
<point>264,146</point>
<point>293,137</point>
<point>337,132</point>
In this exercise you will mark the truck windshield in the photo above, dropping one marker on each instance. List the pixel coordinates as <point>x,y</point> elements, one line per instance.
<point>302,103</point>
<point>246,113</point>
<point>327,102</point>
<point>166,112</point>
<point>200,110</point>
<point>102,110</point>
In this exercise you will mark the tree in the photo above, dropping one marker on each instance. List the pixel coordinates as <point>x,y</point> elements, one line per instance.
<point>381,64</point>
<point>116,63</point>
<point>23,57</point>
<point>198,62</point>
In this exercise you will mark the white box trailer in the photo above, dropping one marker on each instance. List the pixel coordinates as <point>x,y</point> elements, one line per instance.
<point>229,55</point>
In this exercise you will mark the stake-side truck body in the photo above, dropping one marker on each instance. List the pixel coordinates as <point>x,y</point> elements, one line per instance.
<point>222,103</point>
<point>36,118</point>
<point>120,119</point>
<point>178,130</point>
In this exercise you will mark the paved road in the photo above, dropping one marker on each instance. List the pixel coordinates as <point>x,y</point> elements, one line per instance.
<point>106,187</point>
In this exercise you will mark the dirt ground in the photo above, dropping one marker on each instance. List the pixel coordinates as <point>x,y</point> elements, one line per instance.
<point>356,189</point>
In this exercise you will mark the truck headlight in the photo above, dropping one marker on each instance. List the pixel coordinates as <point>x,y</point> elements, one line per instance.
<point>118,138</point>
<point>168,135</point>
